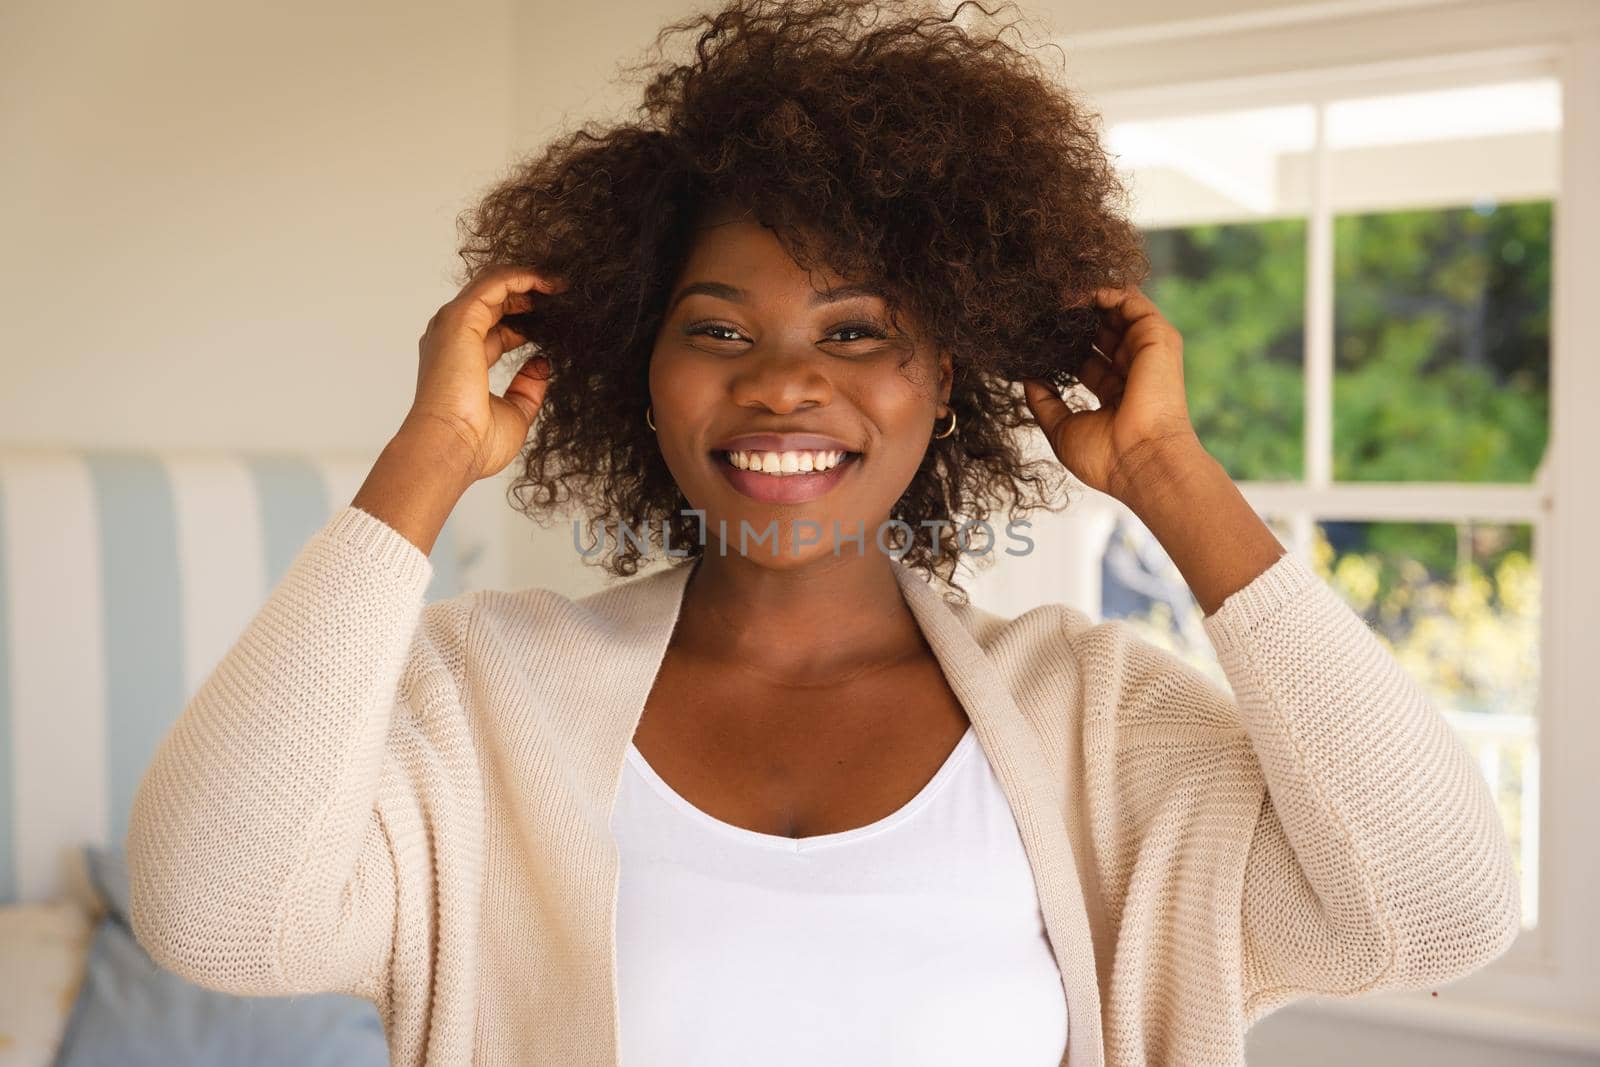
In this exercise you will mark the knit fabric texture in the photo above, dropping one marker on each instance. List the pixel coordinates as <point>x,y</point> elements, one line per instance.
<point>411,803</point>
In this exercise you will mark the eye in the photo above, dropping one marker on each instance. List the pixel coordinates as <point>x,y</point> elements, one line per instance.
<point>863,331</point>
<point>866,329</point>
<point>706,328</point>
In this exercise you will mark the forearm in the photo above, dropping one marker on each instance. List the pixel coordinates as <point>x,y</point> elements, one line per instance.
<point>257,808</point>
<point>1203,522</point>
<point>417,480</point>
<point>1381,860</point>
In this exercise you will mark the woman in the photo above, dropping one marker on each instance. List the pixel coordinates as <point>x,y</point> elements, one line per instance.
<point>779,801</point>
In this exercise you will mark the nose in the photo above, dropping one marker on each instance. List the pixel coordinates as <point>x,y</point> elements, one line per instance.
<point>780,380</point>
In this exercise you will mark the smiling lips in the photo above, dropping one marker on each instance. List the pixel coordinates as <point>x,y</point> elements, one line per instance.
<point>782,463</point>
<point>784,468</point>
<point>780,487</point>
<point>784,477</point>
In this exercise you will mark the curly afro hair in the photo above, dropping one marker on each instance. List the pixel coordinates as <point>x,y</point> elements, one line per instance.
<point>886,141</point>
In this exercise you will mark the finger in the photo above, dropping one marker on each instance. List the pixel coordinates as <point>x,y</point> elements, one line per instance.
<point>503,279</point>
<point>1098,377</point>
<point>537,368</point>
<point>527,389</point>
<point>510,419</point>
<point>517,302</point>
<point>1116,387</point>
<point>1112,352</point>
<point>1061,425</point>
<point>502,339</point>
<point>1121,308</point>
<point>1141,324</point>
<point>1048,407</point>
<point>1107,337</point>
<point>1111,326</point>
<point>1157,368</point>
<point>505,337</point>
<point>483,302</point>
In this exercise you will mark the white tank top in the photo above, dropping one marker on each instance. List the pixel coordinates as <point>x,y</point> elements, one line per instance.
<point>916,939</point>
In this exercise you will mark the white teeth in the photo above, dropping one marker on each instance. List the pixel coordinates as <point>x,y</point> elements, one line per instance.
<point>782,463</point>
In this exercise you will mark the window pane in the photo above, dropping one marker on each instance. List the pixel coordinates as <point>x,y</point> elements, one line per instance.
<point>1141,585</point>
<point>1442,344</point>
<point>1458,605</point>
<point>1237,294</point>
<point>1442,282</point>
<point>1221,199</point>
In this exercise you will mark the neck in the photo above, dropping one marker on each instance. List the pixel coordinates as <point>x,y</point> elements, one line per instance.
<point>808,623</point>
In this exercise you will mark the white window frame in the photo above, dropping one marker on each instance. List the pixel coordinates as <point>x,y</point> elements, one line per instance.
<point>1546,990</point>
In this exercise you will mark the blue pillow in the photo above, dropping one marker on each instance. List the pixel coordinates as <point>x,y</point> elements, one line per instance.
<point>132,1013</point>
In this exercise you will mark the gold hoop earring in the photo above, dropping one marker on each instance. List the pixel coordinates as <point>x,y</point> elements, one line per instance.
<point>951,430</point>
<point>647,421</point>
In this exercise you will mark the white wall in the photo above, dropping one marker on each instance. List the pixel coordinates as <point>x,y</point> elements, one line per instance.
<point>226,225</point>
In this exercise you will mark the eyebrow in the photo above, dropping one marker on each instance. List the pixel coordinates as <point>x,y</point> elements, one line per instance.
<point>725,291</point>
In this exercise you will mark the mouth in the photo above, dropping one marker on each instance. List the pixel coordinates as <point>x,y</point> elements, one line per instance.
<point>785,477</point>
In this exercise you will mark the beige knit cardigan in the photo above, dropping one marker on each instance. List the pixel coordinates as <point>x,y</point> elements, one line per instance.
<point>411,803</point>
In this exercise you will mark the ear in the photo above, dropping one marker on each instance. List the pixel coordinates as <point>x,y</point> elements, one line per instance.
<point>946,376</point>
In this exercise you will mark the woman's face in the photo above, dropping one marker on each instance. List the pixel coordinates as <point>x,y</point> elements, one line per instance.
<point>753,366</point>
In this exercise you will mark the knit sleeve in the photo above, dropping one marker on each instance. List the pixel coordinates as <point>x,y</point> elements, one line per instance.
<point>1378,859</point>
<point>260,858</point>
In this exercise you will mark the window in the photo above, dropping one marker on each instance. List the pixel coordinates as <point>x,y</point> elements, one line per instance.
<point>1364,289</point>
<point>1419,226</point>
<point>1288,135</point>
<point>1366,271</point>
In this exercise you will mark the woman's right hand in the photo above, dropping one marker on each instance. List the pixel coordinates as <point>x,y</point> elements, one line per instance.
<point>462,341</point>
<point>457,430</point>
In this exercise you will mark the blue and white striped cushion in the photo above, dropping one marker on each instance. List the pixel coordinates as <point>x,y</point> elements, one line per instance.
<point>124,577</point>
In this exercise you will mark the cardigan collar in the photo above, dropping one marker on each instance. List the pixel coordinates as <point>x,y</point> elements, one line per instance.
<point>636,620</point>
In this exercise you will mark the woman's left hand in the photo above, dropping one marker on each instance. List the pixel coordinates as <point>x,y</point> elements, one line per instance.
<point>1143,413</point>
